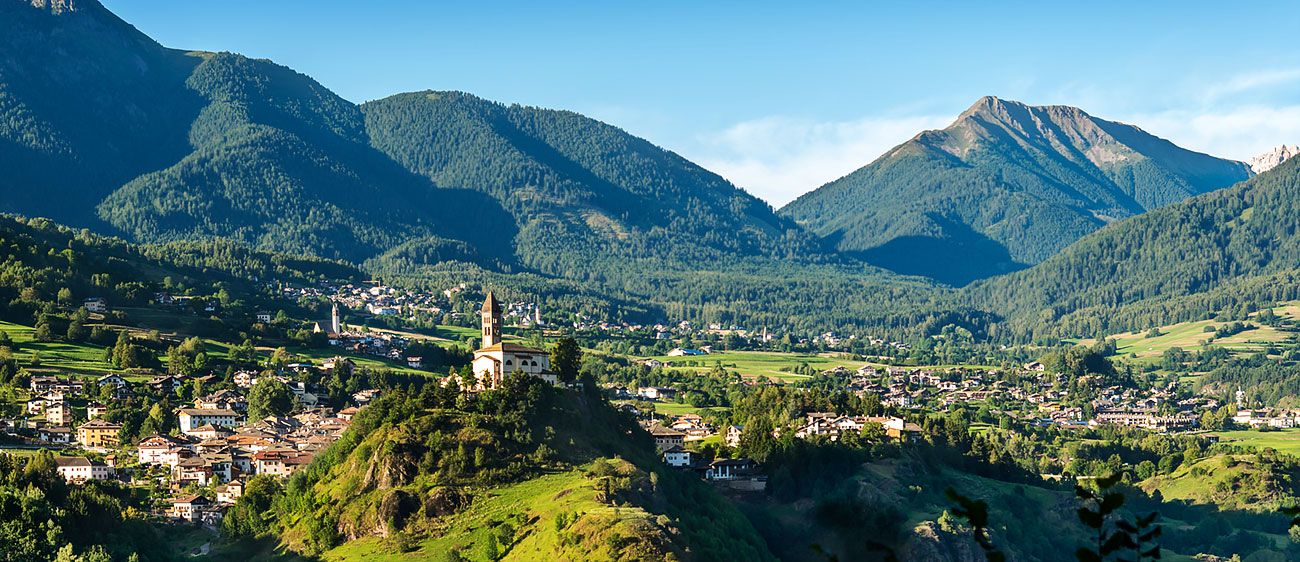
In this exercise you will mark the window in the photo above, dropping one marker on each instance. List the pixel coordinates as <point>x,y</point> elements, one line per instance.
<point>510,362</point>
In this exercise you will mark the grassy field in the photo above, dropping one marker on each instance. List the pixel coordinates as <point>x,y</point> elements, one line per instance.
<point>767,364</point>
<point>78,358</point>
<point>1284,440</point>
<point>1192,335</point>
<point>677,409</point>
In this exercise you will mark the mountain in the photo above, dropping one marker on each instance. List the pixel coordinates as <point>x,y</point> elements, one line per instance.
<point>87,102</point>
<point>1221,253</point>
<point>1269,160</point>
<point>578,189</point>
<point>1006,185</point>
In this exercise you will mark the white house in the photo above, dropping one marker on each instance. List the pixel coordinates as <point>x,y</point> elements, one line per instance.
<point>677,457</point>
<point>193,418</point>
<point>76,470</point>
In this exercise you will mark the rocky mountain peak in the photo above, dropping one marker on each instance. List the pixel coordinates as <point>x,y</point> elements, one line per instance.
<point>1269,160</point>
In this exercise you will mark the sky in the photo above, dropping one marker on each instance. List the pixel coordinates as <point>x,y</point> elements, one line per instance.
<point>780,97</point>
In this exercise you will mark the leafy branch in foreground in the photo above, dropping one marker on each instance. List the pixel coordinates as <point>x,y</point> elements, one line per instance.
<point>1140,537</point>
<point>976,513</point>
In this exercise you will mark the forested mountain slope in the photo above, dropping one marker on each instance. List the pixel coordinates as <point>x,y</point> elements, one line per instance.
<point>86,104</point>
<point>1005,185</point>
<point>282,163</point>
<point>1215,252</point>
<point>579,189</point>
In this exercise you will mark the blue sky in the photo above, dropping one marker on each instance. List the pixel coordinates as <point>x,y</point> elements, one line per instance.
<point>781,97</point>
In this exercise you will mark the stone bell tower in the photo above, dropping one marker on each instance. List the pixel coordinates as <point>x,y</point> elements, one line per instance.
<point>491,321</point>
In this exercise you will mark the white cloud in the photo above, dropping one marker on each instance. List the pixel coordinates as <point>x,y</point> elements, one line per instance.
<point>1238,133</point>
<point>779,158</point>
<point>1250,82</point>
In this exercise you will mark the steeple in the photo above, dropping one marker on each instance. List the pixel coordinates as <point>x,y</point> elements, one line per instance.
<point>336,327</point>
<point>491,320</point>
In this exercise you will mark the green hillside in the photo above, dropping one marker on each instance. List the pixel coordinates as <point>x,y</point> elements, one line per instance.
<point>578,188</point>
<point>1005,185</point>
<point>1230,251</point>
<point>526,472</point>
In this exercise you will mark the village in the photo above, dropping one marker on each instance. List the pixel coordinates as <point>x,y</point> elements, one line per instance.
<point>217,446</point>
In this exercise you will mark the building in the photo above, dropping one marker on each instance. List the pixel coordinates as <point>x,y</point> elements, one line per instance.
<point>76,470</point>
<point>153,450</point>
<point>656,393</point>
<point>98,434</point>
<point>666,437</point>
<point>58,413</point>
<point>55,435</point>
<point>191,419</point>
<point>677,457</point>
<point>96,304</point>
<point>496,359</point>
<point>95,410</point>
<point>279,462</point>
<point>229,492</point>
<point>189,508</point>
<point>732,437</point>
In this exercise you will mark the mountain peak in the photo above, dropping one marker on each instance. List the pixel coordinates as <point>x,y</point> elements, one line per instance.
<point>60,7</point>
<point>1269,160</point>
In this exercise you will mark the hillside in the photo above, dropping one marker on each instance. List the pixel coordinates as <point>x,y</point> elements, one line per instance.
<point>526,472</point>
<point>578,189</point>
<point>1223,252</point>
<point>86,104</point>
<point>1005,186</point>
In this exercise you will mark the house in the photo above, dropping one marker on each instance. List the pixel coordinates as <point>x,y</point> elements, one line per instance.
<point>496,358</point>
<point>229,492</point>
<point>729,469</point>
<point>737,474</point>
<point>244,379</point>
<point>96,304</point>
<point>55,435</point>
<point>222,400</point>
<point>76,470</point>
<point>191,419</point>
<point>95,410</point>
<point>677,456</point>
<point>415,362</point>
<point>209,432</point>
<point>263,316</point>
<point>680,352</point>
<point>58,413</point>
<point>656,393</point>
<point>43,384</point>
<point>113,380</point>
<point>194,470</point>
<point>652,363</point>
<point>98,434</point>
<point>666,438</point>
<point>279,462</point>
<point>732,438</point>
<point>189,508</point>
<point>153,450</point>
<point>347,413</point>
<point>166,384</point>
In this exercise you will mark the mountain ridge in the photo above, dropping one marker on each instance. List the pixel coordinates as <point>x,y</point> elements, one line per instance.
<point>1028,179</point>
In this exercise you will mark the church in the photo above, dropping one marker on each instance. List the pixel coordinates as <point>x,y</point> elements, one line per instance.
<point>496,359</point>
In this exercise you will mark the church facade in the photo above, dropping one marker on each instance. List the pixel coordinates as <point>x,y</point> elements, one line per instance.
<point>496,358</point>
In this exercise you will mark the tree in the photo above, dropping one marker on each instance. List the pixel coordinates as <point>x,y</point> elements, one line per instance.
<point>566,359</point>
<point>269,397</point>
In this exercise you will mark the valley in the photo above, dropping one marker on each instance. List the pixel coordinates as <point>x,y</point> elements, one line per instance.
<point>244,318</point>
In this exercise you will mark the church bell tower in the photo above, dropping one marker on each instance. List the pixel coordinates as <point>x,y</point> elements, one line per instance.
<point>491,321</point>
